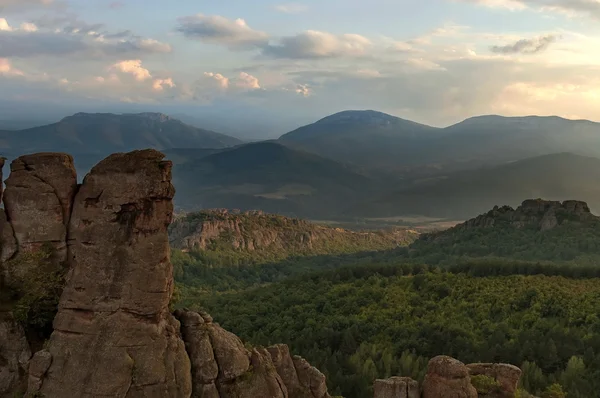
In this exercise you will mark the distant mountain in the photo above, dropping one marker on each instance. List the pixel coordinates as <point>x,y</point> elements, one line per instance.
<point>106,133</point>
<point>270,177</point>
<point>90,137</point>
<point>464,194</point>
<point>374,140</point>
<point>366,138</point>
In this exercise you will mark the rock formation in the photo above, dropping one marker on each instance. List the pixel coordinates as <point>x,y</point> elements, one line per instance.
<point>114,335</point>
<point>506,376</point>
<point>447,378</point>
<point>222,367</point>
<point>254,231</point>
<point>396,387</point>
<point>542,214</point>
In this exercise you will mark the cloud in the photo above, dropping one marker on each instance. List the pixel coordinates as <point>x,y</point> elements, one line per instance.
<point>6,69</point>
<point>134,68</point>
<point>291,8</point>
<point>247,81</point>
<point>316,44</point>
<point>243,81</point>
<point>526,46</point>
<point>220,30</point>
<point>115,5</point>
<point>161,84</point>
<point>221,80</point>
<point>61,37</point>
<point>17,5</point>
<point>589,8</point>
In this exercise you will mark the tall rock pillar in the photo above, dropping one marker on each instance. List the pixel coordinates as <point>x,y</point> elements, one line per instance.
<point>113,334</point>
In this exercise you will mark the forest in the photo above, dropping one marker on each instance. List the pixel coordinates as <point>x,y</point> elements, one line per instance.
<point>514,295</point>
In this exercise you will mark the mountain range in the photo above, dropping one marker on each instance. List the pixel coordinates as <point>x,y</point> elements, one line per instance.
<point>347,165</point>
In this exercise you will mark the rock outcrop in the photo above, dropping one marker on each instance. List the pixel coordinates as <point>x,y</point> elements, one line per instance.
<point>222,367</point>
<point>396,387</point>
<point>113,334</point>
<point>506,377</point>
<point>543,214</point>
<point>447,378</point>
<point>38,199</point>
<point>255,231</point>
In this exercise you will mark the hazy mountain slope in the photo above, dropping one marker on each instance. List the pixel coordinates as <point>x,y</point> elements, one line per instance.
<point>375,140</point>
<point>363,137</point>
<point>105,133</point>
<point>465,194</point>
<point>270,177</point>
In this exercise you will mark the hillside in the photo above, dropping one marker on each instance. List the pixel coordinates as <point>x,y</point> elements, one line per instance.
<point>462,195</point>
<point>537,230</point>
<point>89,137</point>
<point>213,244</point>
<point>377,141</point>
<point>270,177</point>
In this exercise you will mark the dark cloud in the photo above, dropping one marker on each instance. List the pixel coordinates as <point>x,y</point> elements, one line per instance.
<point>526,46</point>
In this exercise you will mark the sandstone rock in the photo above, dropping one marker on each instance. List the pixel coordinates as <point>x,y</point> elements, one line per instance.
<point>396,387</point>
<point>14,356</point>
<point>261,380</point>
<point>38,198</point>
<point>280,355</point>
<point>199,348</point>
<point>507,375</point>
<point>311,377</point>
<point>8,242</point>
<point>447,378</point>
<point>113,334</point>
<point>232,357</point>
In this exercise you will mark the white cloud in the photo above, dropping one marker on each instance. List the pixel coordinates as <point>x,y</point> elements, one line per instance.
<point>291,8</point>
<point>222,81</point>
<point>247,81</point>
<point>161,84</point>
<point>588,8</point>
<point>316,44</point>
<point>220,30</point>
<point>243,81</point>
<point>133,67</point>
<point>4,26</point>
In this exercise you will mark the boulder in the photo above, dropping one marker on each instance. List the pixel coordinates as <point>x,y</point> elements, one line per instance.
<point>113,334</point>
<point>507,376</point>
<point>280,355</point>
<point>396,387</point>
<point>447,378</point>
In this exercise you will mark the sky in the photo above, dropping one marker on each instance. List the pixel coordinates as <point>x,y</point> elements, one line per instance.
<point>432,61</point>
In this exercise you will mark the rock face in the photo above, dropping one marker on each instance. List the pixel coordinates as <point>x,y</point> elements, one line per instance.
<point>38,198</point>
<point>507,377</point>
<point>222,367</point>
<point>447,378</point>
<point>14,356</point>
<point>543,214</point>
<point>255,231</point>
<point>396,387</point>
<point>113,334</point>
